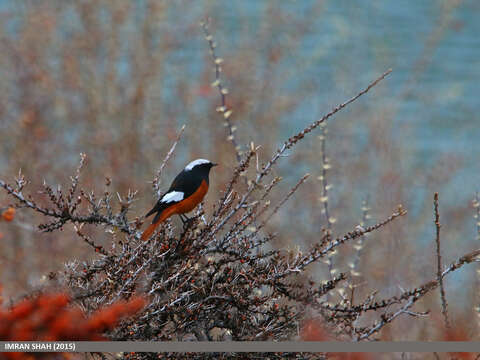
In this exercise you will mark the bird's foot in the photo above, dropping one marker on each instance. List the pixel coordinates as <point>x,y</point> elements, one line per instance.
<point>187,221</point>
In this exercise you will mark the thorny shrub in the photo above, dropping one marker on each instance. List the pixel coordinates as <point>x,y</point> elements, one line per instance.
<point>219,277</point>
<point>48,317</point>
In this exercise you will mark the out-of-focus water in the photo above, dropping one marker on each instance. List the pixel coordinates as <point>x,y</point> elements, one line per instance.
<point>361,39</point>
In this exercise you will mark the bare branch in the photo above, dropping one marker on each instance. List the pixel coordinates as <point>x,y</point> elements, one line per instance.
<point>156,179</point>
<point>223,91</point>
<point>439,260</point>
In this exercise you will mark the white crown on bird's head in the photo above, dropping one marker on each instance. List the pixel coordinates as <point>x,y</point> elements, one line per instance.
<point>198,162</point>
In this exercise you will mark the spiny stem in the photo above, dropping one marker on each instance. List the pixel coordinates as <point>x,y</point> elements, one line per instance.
<point>439,260</point>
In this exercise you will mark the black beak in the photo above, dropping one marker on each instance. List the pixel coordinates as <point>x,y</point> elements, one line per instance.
<point>214,164</point>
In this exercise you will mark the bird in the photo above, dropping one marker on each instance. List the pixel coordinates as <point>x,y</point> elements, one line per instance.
<point>186,191</point>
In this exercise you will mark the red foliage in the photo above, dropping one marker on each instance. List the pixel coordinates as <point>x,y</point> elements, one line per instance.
<point>48,317</point>
<point>8,214</point>
<point>312,330</point>
<point>459,333</point>
<point>355,356</point>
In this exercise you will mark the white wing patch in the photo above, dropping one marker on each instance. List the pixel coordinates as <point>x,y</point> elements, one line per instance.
<point>194,163</point>
<point>172,196</point>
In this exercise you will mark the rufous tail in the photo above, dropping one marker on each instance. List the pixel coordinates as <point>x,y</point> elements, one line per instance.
<point>149,230</point>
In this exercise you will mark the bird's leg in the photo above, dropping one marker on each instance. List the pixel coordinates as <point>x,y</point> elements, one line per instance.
<point>185,219</point>
<point>182,218</point>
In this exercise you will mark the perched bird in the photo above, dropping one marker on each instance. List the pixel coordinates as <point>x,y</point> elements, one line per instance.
<point>185,193</point>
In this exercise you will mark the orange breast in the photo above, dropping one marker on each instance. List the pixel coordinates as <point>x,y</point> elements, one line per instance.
<point>187,204</point>
<point>193,200</point>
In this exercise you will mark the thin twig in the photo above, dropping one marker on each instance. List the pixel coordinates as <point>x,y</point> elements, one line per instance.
<point>222,109</point>
<point>156,179</point>
<point>285,199</point>
<point>439,260</point>
<point>419,292</point>
<point>319,252</point>
<point>358,246</point>
<point>476,216</point>
<point>323,178</point>
<point>325,187</point>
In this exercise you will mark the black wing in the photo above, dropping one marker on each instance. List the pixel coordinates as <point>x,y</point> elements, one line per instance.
<point>186,183</point>
<point>159,207</point>
<point>183,183</point>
